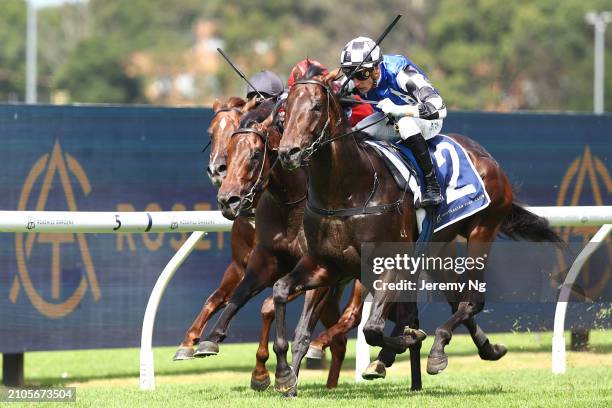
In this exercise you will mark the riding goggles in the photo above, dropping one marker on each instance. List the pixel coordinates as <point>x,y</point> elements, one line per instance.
<point>360,75</point>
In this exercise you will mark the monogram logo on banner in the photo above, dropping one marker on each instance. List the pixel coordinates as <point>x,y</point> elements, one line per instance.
<point>42,281</point>
<point>586,182</point>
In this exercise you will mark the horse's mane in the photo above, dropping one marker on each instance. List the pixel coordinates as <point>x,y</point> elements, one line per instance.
<point>258,114</point>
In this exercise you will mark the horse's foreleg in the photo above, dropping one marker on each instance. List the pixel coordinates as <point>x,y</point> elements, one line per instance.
<point>305,276</point>
<point>261,272</point>
<point>260,377</point>
<point>231,278</point>
<point>314,303</point>
<point>330,317</point>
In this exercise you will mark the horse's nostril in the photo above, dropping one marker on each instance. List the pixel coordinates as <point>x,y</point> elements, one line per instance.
<point>233,201</point>
<point>222,169</point>
<point>293,153</point>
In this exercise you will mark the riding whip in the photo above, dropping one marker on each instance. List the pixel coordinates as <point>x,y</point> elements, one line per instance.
<point>239,72</point>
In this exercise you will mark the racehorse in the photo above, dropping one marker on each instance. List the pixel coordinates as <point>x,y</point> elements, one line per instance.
<point>353,199</point>
<point>252,168</point>
<point>280,240</point>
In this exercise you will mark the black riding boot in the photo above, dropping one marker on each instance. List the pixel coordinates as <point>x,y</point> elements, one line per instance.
<point>418,146</point>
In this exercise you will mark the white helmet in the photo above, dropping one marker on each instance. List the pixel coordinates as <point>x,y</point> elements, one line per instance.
<point>356,50</point>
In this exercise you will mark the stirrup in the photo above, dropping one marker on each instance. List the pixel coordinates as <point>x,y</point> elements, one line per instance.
<point>431,199</point>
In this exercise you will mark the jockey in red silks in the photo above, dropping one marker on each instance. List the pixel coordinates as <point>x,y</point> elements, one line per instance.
<point>355,114</point>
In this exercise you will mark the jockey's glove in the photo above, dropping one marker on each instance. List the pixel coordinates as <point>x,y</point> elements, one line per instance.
<point>398,111</point>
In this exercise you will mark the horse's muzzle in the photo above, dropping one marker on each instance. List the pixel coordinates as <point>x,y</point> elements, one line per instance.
<point>290,157</point>
<point>229,206</point>
<point>216,173</point>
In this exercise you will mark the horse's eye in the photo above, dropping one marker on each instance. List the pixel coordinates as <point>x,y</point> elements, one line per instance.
<point>256,155</point>
<point>316,108</point>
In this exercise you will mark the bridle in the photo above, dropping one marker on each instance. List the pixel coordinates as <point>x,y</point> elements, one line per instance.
<point>319,143</point>
<point>222,110</point>
<point>246,201</point>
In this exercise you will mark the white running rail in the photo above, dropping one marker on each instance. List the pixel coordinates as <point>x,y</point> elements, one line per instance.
<point>200,222</point>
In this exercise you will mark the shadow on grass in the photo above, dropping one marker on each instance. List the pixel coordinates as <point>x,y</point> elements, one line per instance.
<point>197,366</point>
<point>379,391</point>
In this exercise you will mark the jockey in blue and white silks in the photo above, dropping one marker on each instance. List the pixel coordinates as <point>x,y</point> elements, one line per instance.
<point>403,91</point>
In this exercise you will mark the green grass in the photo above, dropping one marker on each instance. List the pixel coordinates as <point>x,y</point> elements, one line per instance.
<point>108,378</point>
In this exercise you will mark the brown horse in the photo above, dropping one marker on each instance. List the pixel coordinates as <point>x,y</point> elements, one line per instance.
<point>280,243</point>
<point>225,120</point>
<point>353,199</point>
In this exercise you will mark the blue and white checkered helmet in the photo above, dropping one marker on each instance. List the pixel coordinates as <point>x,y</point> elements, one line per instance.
<point>356,51</point>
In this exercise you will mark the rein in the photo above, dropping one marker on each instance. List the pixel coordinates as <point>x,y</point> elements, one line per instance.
<point>246,201</point>
<point>319,143</point>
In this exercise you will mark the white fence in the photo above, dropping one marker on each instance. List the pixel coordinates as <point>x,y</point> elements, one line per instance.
<point>200,222</point>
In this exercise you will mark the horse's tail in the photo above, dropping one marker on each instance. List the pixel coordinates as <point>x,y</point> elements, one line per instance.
<point>521,223</point>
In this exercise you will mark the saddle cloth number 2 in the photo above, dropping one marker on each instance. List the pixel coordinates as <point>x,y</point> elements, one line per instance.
<point>452,191</point>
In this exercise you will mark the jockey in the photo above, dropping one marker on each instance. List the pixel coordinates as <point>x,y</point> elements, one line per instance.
<point>267,83</point>
<point>404,92</point>
<point>355,114</point>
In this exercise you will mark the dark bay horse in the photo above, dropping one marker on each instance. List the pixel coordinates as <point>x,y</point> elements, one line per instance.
<point>225,120</point>
<point>353,199</point>
<point>280,243</point>
<point>252,167</point>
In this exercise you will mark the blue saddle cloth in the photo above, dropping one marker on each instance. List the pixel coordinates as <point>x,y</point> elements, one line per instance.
<point>462,188</point>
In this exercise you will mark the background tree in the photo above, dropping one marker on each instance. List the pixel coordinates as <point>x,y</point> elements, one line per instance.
<point>12,50</point>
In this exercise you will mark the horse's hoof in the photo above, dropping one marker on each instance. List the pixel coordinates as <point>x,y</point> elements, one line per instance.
<point>286,384</point>
<point>414,336</point>
<point>492,352</point>
<point>260,384</point>
<point>315,353</point>
<point>206,348</point>
<point>374,371</point>
<point>436,363</point>
<point>183,353</point>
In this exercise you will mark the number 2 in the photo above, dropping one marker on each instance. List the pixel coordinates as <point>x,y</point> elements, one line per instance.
<point>452,192</point>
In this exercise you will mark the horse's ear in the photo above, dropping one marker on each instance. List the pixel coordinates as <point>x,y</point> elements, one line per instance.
<point>274,137</point>
<point>217,105</point>
<point>236,102</point>
<point>250,105</point>
<point>267,121</point>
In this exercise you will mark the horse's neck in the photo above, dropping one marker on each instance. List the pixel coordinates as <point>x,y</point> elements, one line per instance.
<point>340,173</point>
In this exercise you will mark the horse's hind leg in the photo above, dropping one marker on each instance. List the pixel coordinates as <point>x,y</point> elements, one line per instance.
<point>479,243</point>
<point>231,278</point>
<point>350,318</point>
<point>375,325</point>
<point>486,350</point>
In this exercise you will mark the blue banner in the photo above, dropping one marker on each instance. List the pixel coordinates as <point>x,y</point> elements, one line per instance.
<point>67,291</point>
